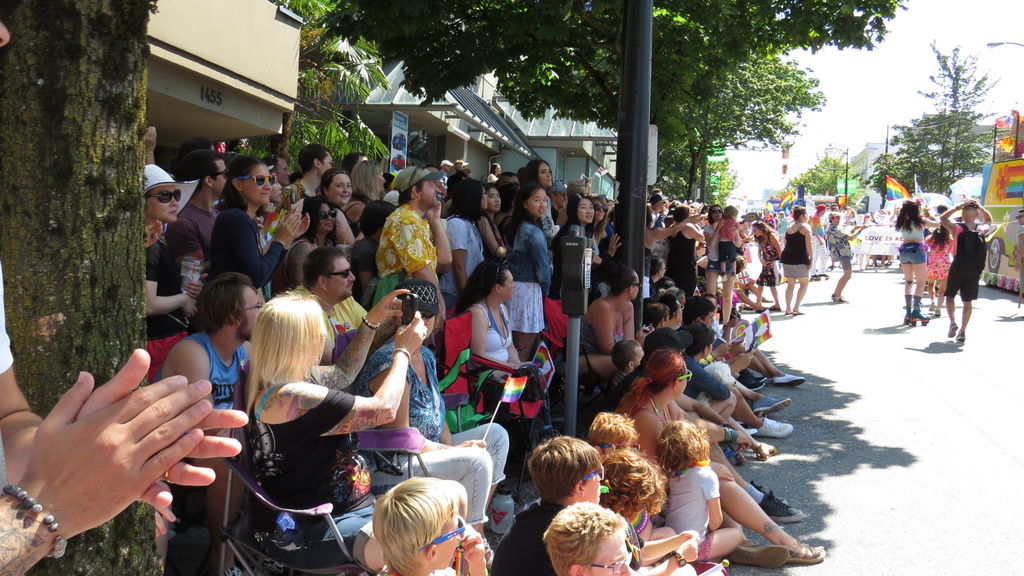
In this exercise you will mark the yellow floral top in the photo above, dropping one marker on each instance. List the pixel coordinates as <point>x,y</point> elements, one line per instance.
<point>405,243</point>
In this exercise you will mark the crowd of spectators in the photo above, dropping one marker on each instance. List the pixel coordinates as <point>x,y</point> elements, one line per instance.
<point>298,300</point>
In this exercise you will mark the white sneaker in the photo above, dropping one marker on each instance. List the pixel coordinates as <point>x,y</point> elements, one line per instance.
<point>775,429</point>
<point>787,380</point>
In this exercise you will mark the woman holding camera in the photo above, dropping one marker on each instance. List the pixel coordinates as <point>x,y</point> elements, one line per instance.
<point>469,458</point>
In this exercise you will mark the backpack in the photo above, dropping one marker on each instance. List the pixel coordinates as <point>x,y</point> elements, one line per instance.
<point>970,252</point>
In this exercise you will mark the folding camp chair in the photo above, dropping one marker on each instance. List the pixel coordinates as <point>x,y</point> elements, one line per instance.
<point>460,371</point>
<point>239,536</point>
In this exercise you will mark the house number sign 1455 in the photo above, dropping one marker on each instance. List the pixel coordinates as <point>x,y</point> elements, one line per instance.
<point>210,95</point>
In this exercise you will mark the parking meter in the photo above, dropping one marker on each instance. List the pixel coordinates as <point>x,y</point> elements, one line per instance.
<point>576,254</point>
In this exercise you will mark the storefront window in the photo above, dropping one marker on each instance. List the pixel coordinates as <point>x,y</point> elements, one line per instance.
<point>425,148</point>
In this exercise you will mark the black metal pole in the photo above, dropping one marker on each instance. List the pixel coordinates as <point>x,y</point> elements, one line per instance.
<point>634,120</point>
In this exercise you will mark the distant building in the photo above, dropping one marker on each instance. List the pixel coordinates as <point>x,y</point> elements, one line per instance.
<point>221,70</point>
<point>477,124</point>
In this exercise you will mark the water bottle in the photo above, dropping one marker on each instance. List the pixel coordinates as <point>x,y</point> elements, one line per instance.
<point>502,512</point>
<point>191,270</point>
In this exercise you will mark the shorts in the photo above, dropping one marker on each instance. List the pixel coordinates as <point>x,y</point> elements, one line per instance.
<point>846,263</point>
<point>796,271</point>
<point>965,284</point>
<point>727,252</point>
<point>158,350</point>
<point>704,548</point>
<point>913,253</point>
<point>714,266</point>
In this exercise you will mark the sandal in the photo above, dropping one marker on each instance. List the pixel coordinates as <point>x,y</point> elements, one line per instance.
<point>807,556</point>
<point>764,451</point>
<point>772,556</point>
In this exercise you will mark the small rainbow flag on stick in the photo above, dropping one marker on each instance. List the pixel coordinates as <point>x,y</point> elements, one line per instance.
<point>760,328</point>
<point>514,386</point>
<point>894,190</point>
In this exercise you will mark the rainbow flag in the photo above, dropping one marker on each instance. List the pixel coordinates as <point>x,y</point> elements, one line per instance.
<point>514,386</point>
<point>786,204</point>
<point>894,190</point>
<point>761,330</point>
<point>740,331</point>
<point>542,359</point>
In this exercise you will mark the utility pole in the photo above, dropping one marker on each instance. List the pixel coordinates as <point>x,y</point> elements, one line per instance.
<point>634,122</point>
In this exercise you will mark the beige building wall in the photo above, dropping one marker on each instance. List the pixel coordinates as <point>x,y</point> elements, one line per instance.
<point>223,69</point>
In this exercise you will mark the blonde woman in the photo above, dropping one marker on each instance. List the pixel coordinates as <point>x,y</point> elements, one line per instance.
<point>303,422</point>
<point>367,186</point>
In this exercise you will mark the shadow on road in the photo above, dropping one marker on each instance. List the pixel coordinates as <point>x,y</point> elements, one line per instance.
<point>939,348</point>
<point>821,447</point>
<point>898,329</point>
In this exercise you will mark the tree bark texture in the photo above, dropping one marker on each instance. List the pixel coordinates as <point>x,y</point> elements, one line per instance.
<point>72,102</point>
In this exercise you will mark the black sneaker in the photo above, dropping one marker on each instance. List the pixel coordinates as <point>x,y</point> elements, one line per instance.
<point>778,509</point>
<point>751,380</point>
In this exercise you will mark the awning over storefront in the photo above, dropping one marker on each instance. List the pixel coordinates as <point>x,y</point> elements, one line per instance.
<point>462,102</point>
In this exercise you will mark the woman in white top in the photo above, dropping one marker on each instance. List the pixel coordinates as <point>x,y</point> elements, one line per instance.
<point>487,290</point>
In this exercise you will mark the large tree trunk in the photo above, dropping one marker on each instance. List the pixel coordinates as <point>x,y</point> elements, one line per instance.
<point>72,101</point>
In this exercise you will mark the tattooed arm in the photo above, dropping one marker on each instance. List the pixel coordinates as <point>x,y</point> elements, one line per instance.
<point>382,407</point>
<point>350,362</point>
<point>20,547</point>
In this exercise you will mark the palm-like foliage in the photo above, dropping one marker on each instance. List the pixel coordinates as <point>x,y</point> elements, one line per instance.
<point>330,68</point>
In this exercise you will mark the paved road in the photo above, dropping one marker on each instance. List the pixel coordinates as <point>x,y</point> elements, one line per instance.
<point>904,456</point>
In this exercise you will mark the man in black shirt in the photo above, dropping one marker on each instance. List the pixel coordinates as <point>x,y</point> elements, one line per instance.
<point>968,261</point>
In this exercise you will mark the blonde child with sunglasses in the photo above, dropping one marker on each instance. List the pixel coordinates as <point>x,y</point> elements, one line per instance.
<point>422,532</point>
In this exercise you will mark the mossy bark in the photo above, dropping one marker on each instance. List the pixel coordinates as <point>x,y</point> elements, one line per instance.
<point>72,102</point>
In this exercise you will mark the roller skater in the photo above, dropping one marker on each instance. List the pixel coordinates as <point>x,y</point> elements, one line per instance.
<point>913,258</point>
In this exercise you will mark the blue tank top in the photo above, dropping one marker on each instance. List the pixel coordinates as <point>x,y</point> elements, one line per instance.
<point>222,376</point>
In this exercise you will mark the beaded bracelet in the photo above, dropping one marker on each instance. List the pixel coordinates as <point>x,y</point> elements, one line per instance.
<point>369,325</point>
<point>30,506</point>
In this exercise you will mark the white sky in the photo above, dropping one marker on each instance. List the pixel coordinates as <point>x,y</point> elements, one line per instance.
<point>868,90</point>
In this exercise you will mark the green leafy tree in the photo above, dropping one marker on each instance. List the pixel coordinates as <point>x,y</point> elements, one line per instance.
<point>331,68</point>
<point>820,180</point>
<point>758,102</point>
<point>721,181</point>
<point>890,165</point>
<point>71,238</point>
<point>567,55</point>
<point>944,146</point>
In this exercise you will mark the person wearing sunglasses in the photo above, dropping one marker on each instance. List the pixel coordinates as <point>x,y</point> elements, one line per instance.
<point>586,539</point>
<point>467,457</point>
<point>306,424</point>
<point>565,471</point>
<point>192,232</point>
<point>327,275</point>
<point>420,528</point>
<point>336,187</point>
<point>169,302</point>
<point>324,219</point>
<point>236,242</point>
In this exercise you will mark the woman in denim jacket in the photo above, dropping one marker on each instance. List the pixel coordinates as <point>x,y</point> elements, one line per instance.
<point>530,265</point>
